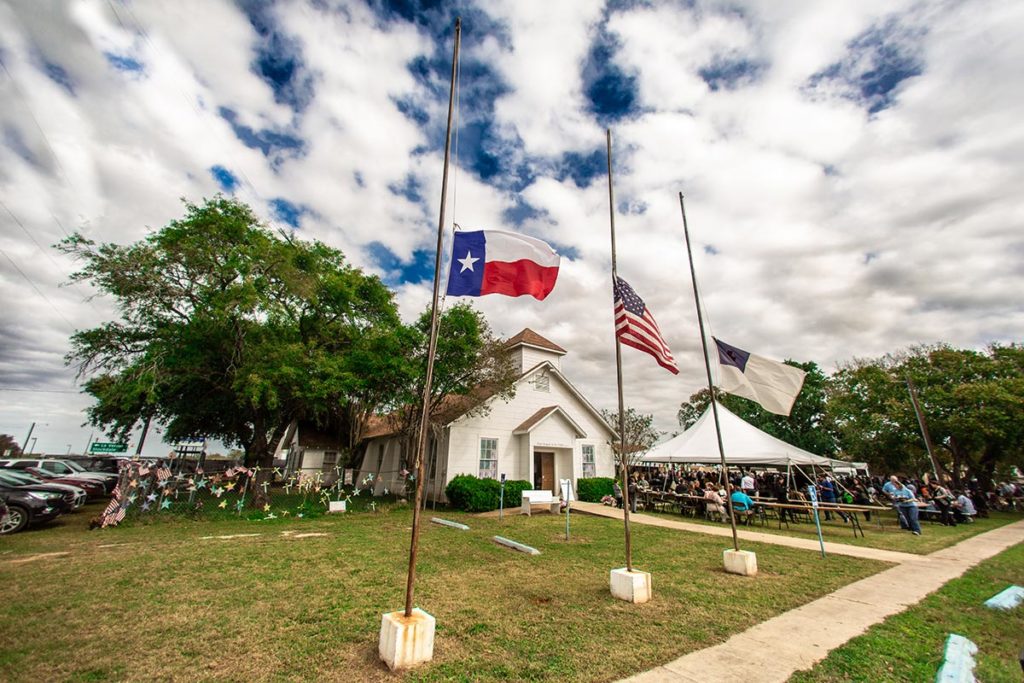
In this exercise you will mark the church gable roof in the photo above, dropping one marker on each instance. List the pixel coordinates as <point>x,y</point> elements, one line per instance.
<point>530,338</point>
<point>537,418</point>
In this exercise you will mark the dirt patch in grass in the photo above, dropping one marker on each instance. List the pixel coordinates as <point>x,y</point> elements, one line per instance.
<point>165,606</point>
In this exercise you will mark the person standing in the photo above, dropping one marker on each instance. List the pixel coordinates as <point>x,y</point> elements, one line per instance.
<point>906,507</point>
<point>747,484</point>
<point>827,494</point>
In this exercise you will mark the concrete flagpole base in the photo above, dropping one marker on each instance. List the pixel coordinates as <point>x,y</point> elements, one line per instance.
<point>631,586</point>
<point>406,641</point>
<point>742,562</point>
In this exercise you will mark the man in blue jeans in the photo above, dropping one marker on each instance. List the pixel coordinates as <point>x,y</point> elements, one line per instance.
<point>906,507</point>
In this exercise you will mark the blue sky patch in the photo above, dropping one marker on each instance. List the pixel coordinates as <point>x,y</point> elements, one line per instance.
<point>124,63</point>
<point>60,76</point>
<point>582,168</point>
<point>396,271</point>
<point>279,61</point>
<point>711,250</point>
<point>274,144</point>
<point>411,110</point>
<point>520,212</point>
<point>408,188</point>
<point>611,92</point>
<point>876,63</point>
<point>227,180</point>
<point>15,142</point>
<point>730,73</point>
<point>286,212</point>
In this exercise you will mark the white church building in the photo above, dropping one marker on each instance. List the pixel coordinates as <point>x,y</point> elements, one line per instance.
<point>548,431</point>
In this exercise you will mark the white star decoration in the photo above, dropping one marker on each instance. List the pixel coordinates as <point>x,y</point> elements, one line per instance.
<point>467,263</point>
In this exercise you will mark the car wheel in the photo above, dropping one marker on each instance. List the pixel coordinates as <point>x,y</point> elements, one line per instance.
<point>15,521</point>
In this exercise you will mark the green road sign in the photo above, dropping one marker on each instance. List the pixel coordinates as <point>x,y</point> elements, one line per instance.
<point>101,447</point>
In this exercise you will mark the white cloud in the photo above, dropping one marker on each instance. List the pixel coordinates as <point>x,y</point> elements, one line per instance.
<point>837,232</point>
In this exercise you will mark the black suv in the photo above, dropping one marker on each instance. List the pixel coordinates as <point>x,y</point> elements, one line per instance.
<point>25,508</point>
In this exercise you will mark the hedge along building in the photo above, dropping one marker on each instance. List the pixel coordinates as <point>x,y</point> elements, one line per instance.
<point>546,432</point>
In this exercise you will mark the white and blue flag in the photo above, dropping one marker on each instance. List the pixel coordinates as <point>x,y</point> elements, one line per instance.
<point>772,384</point>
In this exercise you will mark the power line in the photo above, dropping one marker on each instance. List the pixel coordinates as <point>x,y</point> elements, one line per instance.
<point>38,291</point>
<point>41,391</point>
<point>44,251</point>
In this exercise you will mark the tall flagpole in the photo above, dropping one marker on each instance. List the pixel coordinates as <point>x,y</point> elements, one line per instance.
<point>618,371</point>
<point>924,429</point>
<point>421,444</point>
<point>711,386</point>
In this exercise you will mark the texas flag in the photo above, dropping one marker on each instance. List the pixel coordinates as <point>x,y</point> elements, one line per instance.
<point>499,262</point>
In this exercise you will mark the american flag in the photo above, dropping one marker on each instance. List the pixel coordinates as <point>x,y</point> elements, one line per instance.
<point>635,326</point>
<point>163,473</point>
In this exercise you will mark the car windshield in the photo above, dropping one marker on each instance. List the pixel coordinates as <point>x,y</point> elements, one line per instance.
<point>13,479</point>
<point>26,478</point>
<point>74,465</point>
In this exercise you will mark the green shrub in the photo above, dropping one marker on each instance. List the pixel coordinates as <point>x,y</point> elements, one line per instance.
<point>473,494</point>
<point>514,492</point>
<point>592,489</point>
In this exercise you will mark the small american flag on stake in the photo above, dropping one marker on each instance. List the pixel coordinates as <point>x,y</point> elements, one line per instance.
<point>635,326</point>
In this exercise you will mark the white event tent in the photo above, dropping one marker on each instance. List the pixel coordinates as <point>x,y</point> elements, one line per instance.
<point>744,445</point>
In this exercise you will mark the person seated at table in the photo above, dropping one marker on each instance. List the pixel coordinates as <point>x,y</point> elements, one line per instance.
<point>963,508</point>
<point>714,505</point>
<point>741,503</point>
<point>860,497</point>
<point>943,501</point>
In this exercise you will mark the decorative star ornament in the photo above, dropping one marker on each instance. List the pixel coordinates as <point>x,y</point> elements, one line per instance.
<point>217,491</point>
<point>131,499</point>
<point>150,498</point>
<point>240,504</point>
<point>223,504</point>
<point>467,263</point>
<point>266,508</point>
<point>145,506</point>
<point>229,486</point>
<point>164,505</point>
<point>200,483</point>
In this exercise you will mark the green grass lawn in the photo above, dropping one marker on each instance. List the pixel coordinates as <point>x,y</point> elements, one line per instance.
<point>888,536</point>
<point>909,646</point>
<point>302,599</point>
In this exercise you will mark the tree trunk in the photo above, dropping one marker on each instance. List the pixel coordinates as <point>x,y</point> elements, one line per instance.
<point>259,451</point>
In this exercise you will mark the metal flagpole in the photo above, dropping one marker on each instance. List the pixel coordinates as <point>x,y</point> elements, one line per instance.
<point>711,386</point>
<point>924,429</point>
<point>421,444</point>
<point>618,370</point>
<point>142,437</point>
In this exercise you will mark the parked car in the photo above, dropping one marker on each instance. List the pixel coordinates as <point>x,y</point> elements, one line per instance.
<point>25,508</point>
<point>93,489</point>
<point>63,467</point>
<point>74,496</point>
<point>99,463</point>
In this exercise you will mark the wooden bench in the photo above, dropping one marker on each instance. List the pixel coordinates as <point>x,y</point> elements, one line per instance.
<point>531,498</point>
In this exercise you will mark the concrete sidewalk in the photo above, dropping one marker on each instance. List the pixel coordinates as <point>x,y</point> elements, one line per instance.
<point>775,649</point>
<point>759,537</point>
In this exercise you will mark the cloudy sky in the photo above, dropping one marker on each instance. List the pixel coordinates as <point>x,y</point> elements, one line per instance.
<point>852,170</point>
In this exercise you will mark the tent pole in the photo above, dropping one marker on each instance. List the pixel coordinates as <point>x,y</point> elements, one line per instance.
<point>711,386</point>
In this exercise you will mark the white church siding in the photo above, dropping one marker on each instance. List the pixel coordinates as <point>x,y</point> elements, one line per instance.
<point>546,415</point>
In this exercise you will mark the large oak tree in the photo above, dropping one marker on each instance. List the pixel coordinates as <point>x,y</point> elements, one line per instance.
<point>230,330</point>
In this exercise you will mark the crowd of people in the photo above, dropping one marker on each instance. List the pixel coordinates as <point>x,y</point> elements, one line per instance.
<point>910,497</point>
